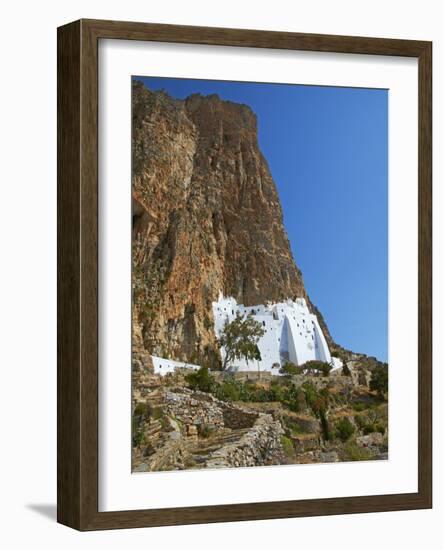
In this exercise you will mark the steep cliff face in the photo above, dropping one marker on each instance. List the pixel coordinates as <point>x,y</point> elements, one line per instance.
<point>206,218</point>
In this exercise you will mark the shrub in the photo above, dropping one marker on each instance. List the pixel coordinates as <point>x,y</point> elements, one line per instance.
<point>294,398</point>
<point>318,401</point>
<point>293,427</point>
<point>247,391</point>
<point>361,421</point>
<point>138,438</point>
<point>370,423</point>
<point>290,369</point>
<point>310,393</point>
<point>317,367</point>
<point>201,380</point>
<point>157,413</point>
<point>142,410</point>
<point>373,427</point>
<point>277,392</point>
<point>141,414</point>
<point>354,452</point>
<point>380,428</point>
<point>346,371</point>
<point>379,380</point>
<point>205,431</point>
<point>228,391</point>
<point>288,448</point>
<point>344,429</point>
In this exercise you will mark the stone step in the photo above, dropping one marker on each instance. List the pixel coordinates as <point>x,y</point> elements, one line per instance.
<point>203,449</point>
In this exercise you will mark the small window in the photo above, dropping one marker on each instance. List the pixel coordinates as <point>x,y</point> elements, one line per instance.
<point>264,324</point>
<point>232,312</point>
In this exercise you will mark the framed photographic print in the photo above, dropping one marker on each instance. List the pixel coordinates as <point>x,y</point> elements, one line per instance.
<point>244,275</point>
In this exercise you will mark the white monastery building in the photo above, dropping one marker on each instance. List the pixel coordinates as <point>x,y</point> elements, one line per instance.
<point>164,366</point>
<point>292,334</point>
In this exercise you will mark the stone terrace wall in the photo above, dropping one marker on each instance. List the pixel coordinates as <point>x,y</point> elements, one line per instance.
<point>194,408</point>
<point>260,446</point>
<point>237,418</point>
<point>198,408</point>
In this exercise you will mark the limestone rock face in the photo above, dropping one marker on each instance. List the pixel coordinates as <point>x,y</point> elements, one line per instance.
<point>206,218</point>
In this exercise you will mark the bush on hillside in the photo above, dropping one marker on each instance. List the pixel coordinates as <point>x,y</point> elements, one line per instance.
<point>319,368</point>
<point>290,369</point>
<point>344,429</point>
<point>379,380</point>
<point>201,380</point>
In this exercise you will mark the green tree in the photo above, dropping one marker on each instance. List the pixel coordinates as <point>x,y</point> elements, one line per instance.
<point>318,401</point>
<point>239,339</point>
<point>379,380</point>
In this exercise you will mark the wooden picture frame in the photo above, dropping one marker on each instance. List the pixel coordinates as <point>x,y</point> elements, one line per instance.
<point>78,274</point>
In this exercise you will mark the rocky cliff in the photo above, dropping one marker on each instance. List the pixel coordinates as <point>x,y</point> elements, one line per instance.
<point>206,218</point>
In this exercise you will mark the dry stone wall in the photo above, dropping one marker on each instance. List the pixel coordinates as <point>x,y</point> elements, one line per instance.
<point>259,441</point>
<point>260,446</point>
<point>194,408</point>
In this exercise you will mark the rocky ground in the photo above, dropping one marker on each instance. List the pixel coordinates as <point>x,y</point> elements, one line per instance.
<point>176,426</point>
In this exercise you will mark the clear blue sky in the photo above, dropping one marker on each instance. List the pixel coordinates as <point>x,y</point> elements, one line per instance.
<point>327,149</point>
